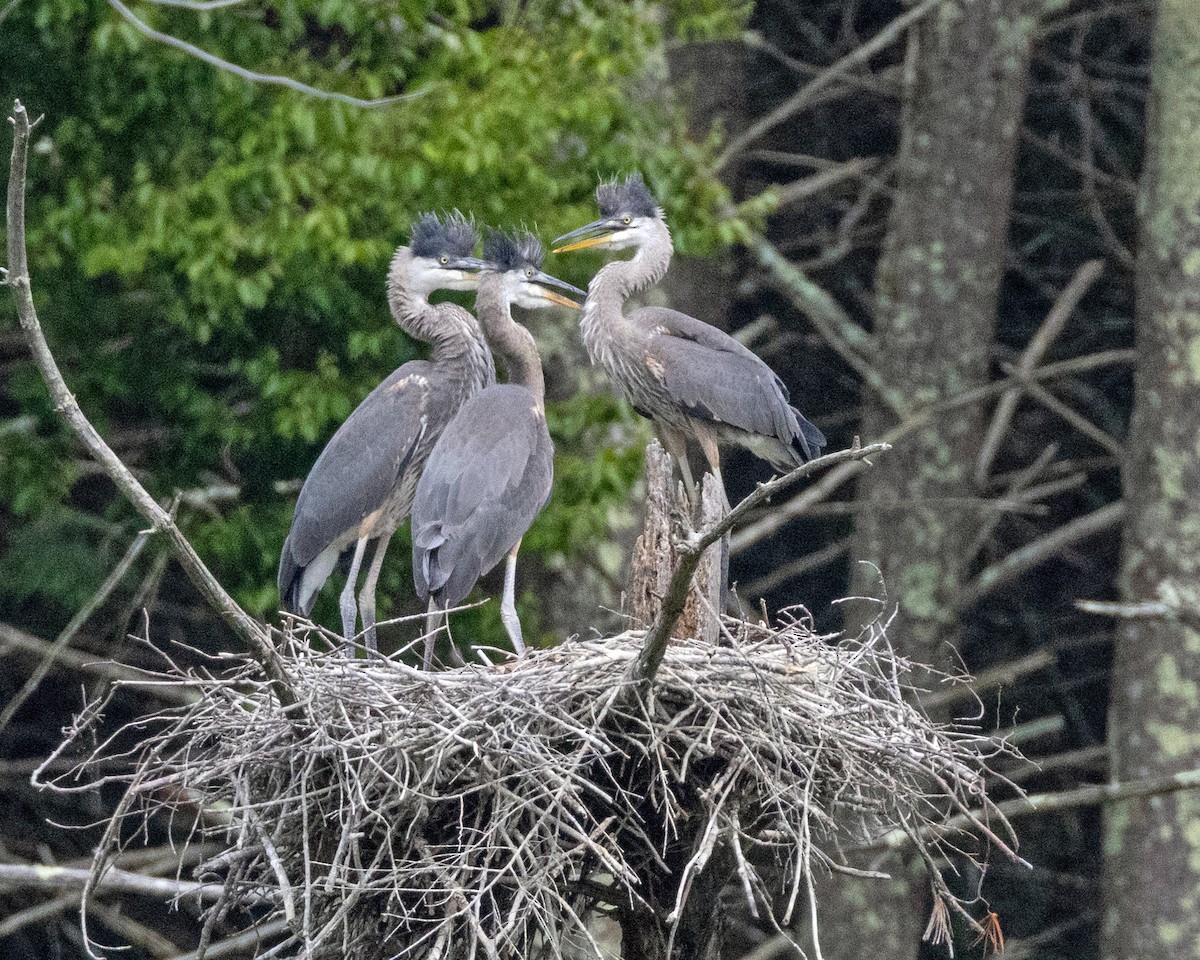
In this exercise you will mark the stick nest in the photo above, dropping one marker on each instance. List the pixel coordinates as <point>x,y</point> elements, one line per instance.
<point>392,812</point>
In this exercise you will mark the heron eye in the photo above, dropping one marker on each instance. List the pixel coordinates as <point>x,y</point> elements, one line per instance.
<point>443,259</point>
<point>627,219</point>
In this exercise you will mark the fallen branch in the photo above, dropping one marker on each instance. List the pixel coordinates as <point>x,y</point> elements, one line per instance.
<point>17,277</point>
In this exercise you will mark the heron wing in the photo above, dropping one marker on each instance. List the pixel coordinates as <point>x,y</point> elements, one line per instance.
<point>714,378</point>
<point>663,321</point>
<point>362,463</point>
<point>488,477</point>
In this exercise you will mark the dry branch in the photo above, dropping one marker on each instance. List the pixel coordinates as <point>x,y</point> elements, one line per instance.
<point>253,76</point>
<point>17,277</point>
<point>692,550</point>
<point>494,810</point>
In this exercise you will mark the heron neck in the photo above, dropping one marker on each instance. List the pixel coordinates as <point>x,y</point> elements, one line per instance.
<point>457,342</point>
<point>512,343</point>
<point>615,282</point>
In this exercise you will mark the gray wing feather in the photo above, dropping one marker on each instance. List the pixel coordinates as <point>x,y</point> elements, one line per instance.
<point>362,463</point>
<point>715,378</point>
<point>680,325</point>
<point>488,477</point>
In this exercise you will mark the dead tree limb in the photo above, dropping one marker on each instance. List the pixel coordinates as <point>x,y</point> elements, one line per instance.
<point>642,671</point>
<point>17,278</point>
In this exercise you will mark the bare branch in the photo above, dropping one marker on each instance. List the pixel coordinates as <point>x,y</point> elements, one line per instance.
<point>1089,796</point>
<point>798,505</point>
<point>20,876</point>
<point>1002,675</point>
<point>659,635</point>
<point>799,100</point>
<point>63,640</point>
<point>198,5</point>
<point>16,639</point>
<point>1039,551</point>
<point>252,75</point>
<point>849,340</point>
<point>1047,333</point>
<point>254,634</point>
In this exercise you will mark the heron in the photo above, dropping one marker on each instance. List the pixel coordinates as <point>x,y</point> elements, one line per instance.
<point>691,379</point>
<point>361,488</point>
<point>490,473</point>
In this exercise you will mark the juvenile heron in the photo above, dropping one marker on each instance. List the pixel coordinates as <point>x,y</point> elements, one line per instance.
<point>490,472</point>
<point>361,487</point>
<point>690,378</point>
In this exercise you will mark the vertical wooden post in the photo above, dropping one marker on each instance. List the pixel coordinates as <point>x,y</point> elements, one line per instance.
<point>655,554</point>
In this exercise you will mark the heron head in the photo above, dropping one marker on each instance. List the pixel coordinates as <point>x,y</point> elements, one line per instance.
<point>517,258</point>
<point>629,217</point>
<point>442,253</point>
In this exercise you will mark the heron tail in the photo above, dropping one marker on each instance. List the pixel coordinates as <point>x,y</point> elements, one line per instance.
<point>809,440</point>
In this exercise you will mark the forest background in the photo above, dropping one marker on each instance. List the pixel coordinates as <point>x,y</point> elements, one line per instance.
<point>970,227</point>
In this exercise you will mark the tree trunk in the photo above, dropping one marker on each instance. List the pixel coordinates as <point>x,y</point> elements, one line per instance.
<point>936,290</point>
<point>936,295</point>
<point>1152,845</point>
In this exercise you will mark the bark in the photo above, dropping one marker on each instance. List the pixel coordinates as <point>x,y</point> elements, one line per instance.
<point>936,292</point>
<point>655,554</point>
<point>1152,845</point>
<point>936,300</point>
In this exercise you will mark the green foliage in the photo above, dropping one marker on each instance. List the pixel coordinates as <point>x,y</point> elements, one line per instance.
<point>209,254</point>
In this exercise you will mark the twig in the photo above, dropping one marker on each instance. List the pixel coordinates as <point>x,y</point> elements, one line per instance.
<point>1089,796</point>
<point>21,876</point>
<point>1002,675</point>
<point>236,944</point>
<point>1039,551</point>
<point>64,402</point>
<point>38,912</point>
<point>802,97</point>
<point>849,340</point>
<point>643,669</point>
<point>87,663</point>
<point>253,75</point>
<point>63,640</point>
<point>1046,334</point>
<point>798,505</point>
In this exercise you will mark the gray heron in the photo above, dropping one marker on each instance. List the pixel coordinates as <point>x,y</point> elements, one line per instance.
<point>690,378</point>
<point>361,487</point>
<point>490,473</point>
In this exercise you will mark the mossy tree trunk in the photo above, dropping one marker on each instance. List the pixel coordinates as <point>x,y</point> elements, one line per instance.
<point>1152,845</point>
<point>936,302</point>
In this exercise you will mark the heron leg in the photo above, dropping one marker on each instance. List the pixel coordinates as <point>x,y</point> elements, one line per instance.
<point>508,604</point>
<point>712,453</point>
<point>366,596</point>
<point>676,446</point>
<point>346,601</point>
<point>433,622</point>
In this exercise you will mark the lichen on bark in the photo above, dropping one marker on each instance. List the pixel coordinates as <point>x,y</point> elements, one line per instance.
<point>1152,845</point>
